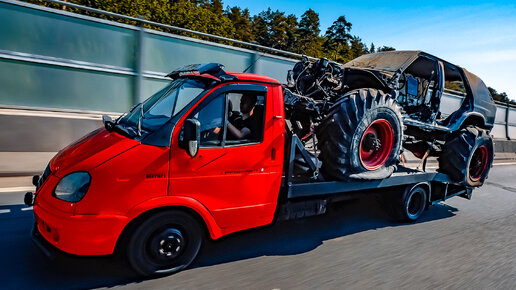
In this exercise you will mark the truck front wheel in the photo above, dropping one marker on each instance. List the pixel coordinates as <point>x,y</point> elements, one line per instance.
<point>165,243</point>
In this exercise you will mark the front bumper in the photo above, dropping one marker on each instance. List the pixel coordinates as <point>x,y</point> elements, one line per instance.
<point>42,244</point>
<point>77,234</point>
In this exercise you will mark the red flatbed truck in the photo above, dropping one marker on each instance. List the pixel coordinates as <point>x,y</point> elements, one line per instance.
<point>156,181</point>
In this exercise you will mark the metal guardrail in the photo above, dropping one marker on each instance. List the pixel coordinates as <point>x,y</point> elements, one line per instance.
<point>510,111</point>
<point>141,37</point>
<point>179,29</point>
<point>140,69</point>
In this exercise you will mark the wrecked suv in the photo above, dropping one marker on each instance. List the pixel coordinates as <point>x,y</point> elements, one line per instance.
<point>364,113</point>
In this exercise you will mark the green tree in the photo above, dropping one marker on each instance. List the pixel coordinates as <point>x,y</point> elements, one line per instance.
<point>278,29</point>
<point>242,22</point>
<point>199,15</point>
<point>274,29</point>
<point>214,6</point>
<point>372,49</point>
<point>261,29</point>
<point>337,40</point>
<point>187,15</point>
<point>200,3</point>
<point>291,33</point>
<point>386,48</point>
<point>358,48</point>
<point>309,42</point>
<point>271,28</point>
<point>157,10</point>
<point>501,97</point>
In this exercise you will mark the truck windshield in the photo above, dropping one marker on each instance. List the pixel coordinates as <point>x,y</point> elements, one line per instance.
<point>154,112</point>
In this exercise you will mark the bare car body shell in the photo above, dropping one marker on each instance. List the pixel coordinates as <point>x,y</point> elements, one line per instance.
<point>477,108</point>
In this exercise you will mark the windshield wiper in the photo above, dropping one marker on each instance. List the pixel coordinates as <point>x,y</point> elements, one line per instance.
<point>108,122</point>
<point>111,126</point>
<point>140,116</point>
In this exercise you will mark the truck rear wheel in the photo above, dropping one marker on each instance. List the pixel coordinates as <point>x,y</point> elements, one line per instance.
<point>165,243</point>
<point>362,133</point>
<point>467,156</point>
<point>411,204</point>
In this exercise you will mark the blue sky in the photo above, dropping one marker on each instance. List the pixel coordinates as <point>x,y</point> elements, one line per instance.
<point>478,35</point>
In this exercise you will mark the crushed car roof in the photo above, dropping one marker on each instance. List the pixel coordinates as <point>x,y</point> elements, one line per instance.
<point>385,60</point>
<point>391,61</point>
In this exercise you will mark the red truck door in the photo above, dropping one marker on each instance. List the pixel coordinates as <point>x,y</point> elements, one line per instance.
<point>236,178</point>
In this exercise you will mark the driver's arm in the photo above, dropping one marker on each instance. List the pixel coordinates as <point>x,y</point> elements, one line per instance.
<point>240,134</point>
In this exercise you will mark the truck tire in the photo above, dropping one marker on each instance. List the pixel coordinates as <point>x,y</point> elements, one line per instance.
<point>410,205</point>
<point>467,156</point>
<point>164,243</point>
<point>363,132</point>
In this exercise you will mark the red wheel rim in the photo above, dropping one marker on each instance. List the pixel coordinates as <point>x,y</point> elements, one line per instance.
<point>373,157</point>
<point>478,163</point>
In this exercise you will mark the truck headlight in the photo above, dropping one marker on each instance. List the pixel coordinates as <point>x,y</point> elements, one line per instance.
<point>73,186</point>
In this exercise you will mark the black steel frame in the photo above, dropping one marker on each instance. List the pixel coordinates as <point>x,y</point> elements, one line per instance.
<point>319,187</point>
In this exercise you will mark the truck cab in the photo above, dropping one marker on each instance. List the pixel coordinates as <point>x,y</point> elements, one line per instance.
<point>96,191</point>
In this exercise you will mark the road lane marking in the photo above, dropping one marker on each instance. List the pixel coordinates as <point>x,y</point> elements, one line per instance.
<point>508,188</point>
<point>26,208</point>
<point>508,163</point>
<point>17,189</point>
<point>57,114</point>
<point>5,211</point>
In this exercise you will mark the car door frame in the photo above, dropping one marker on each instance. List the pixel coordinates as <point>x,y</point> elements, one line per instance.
<point>266,201</point>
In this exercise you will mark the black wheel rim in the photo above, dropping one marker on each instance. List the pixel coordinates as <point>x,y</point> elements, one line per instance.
<point>415,203</point>
<point>376,144</point>
<point>478,163</point>
<point>165,247</point>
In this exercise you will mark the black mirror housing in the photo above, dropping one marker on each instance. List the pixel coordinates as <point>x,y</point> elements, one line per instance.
<point>108,122</point>
<point>191,137</point>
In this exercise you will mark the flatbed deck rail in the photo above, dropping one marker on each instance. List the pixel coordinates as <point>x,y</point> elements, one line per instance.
<point>402,176</point>
<point>318,186</point>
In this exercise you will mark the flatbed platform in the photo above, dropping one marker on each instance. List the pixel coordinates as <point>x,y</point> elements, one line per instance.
<point>402,176</point>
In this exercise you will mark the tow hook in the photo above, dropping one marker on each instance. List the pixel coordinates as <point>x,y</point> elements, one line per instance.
<point>29,198</point>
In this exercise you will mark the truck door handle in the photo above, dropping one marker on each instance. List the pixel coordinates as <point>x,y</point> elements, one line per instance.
<point>278,117</point>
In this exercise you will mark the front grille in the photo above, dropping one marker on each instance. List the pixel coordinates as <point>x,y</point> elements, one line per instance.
<point>44,177</point>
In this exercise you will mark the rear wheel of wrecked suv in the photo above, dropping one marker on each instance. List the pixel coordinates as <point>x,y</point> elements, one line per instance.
<point>362,133</point>
<point>467,156</point>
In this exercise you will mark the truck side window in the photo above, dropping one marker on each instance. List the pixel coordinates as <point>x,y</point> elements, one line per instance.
<point>211,117</point>
<point>245,117</point>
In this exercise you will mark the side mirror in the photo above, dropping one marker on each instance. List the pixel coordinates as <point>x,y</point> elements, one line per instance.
<point>108,122</point>
<point>191,137</point>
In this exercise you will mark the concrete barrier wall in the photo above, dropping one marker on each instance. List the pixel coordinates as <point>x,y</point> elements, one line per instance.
<point>54,59</point>
<point>59,71</point>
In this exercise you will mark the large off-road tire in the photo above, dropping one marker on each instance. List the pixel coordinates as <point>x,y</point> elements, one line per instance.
<point>467,156</point>
<point>362,133</point>
<point>164,243</point>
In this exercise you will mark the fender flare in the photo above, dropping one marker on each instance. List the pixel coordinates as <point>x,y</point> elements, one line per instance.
<point>457,123</point>
<point>178,201</point>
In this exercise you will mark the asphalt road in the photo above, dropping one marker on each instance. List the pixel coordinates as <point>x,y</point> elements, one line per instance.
<point>460,244</point>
